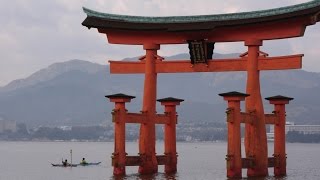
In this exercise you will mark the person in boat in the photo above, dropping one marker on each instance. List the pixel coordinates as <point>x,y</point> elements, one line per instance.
<point>65,162</point>
<point>83,161</point>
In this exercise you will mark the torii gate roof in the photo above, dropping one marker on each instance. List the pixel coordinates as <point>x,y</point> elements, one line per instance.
<point>200,22</point>
<point>279,23</point>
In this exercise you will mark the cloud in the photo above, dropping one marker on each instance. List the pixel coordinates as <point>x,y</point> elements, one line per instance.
<point>35,34</point>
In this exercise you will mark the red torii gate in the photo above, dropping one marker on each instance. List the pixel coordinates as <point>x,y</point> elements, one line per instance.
<point>252,28</point>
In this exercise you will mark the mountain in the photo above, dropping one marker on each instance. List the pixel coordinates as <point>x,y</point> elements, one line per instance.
<point>51,72</point>
<point>72,93</point>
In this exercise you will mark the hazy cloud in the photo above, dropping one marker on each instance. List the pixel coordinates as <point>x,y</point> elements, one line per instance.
<point>35,34</point>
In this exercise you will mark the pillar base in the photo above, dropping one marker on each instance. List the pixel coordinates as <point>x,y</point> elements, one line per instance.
<point>263,172</point>
<point>279,174</point>
<point>119,171</point>
<point>171,167</point>
<point>234,175</point>
<point>148,170</point>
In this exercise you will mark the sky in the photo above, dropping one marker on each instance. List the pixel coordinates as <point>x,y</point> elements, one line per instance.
<point>35,34</point>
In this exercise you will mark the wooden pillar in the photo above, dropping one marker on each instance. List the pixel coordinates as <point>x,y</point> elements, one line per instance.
<point>279,103</point>
<point>119,113</point>
<point>147,139</point>
<point>255,133</point>
<point>234,161</point>
<point>170,147</point>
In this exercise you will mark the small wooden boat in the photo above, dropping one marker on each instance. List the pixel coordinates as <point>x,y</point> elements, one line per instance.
<point>75,165</point>
<point>88,164</point>
<point>61,165</point>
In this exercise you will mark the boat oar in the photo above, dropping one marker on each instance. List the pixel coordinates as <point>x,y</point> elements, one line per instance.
<point>71,156</point>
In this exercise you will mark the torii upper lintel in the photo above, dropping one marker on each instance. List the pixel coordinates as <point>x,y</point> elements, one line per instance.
<point>284,22</point>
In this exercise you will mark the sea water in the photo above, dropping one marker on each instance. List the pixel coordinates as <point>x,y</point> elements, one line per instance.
<point>32,161</point>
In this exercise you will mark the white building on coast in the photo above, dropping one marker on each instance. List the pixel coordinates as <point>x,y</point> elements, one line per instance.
<point>303,129</point>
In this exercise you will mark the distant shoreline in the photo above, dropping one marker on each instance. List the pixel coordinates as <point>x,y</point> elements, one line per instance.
<point>95,141</point>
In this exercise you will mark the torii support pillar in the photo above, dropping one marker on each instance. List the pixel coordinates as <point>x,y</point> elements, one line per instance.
<point>147,139</point>
<point>255,133</point>
<point>279,103</point>
<point>119,168</point>
<point>170,147</point>
<point>234,160</point>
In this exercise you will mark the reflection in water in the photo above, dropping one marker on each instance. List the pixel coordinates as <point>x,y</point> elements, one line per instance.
<point>156,176</point>
<point>163,176</point>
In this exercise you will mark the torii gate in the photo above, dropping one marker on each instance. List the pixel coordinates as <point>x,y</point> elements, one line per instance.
<point>201,32</point>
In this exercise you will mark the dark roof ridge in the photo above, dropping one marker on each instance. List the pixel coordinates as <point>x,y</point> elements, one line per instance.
<point>205,18</point>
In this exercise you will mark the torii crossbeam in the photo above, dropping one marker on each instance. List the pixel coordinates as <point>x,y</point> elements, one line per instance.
<point>213,65</point>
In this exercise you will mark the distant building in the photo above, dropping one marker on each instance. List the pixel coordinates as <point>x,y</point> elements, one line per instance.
<point>270,136</point>
<point>65,128</point>
<point>303,129</point>
<point>7,125</point>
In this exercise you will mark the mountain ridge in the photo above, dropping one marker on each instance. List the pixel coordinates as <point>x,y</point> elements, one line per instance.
<point>72,93</point>
<point>50,72</point>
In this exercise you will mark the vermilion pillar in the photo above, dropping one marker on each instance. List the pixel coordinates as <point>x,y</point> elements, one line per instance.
<point>234,161</point>
<point>170,149</point>
<point>119,112</point>
<point>280,133</point>
<point>255,133</point>
<point>147,138</point>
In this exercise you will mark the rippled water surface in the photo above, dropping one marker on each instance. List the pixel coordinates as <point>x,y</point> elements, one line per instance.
<point>32,161</point>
